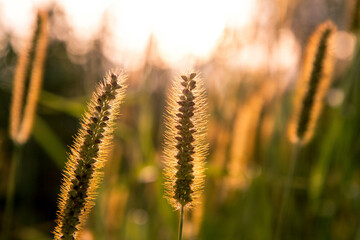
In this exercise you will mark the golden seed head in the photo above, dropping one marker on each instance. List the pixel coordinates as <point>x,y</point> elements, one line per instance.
<point>92,144</point>
<point>185,145</point>
<point>313,83</point>
<point>29,70</point>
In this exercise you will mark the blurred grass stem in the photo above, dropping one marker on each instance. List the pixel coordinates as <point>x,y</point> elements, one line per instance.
<point>9,204</point>
<point>287,190</point>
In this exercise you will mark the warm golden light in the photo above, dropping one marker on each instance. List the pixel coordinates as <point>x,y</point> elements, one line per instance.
<point>181,28</point>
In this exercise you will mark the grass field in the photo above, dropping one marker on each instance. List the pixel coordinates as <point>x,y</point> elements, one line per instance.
<point>250,104</point>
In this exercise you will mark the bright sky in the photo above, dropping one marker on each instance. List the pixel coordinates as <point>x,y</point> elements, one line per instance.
<point>181,28</point>
<point>184,31</point>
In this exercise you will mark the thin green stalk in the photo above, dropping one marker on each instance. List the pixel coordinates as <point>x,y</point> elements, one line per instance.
<point>181,222</point>
<point>287,190</point>
<point>9,204</point>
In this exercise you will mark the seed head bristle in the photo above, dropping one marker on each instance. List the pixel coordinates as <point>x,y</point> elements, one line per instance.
<point>313,84</point>
<point>83,169</point>
<point>185,145</point>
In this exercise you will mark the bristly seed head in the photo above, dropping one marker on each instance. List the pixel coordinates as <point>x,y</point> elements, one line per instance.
<point>313,84</point>
<point>185,146</point>
<point>83,170</point>
<point>29,72</point>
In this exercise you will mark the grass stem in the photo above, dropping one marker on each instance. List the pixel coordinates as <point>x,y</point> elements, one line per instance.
<point>9,204</point>
<point>287,190</point>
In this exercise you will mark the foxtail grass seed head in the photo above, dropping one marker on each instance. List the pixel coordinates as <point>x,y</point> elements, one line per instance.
<point>243,142</point>
<point>29,69</point>
<point>313,84</point>
<point>185,145</point>
<point>83,169</point>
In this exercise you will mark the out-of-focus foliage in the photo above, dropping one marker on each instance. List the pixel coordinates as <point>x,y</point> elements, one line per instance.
<point>249,147</point>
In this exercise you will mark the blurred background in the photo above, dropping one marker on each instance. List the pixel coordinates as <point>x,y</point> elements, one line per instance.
<point>249,54</point>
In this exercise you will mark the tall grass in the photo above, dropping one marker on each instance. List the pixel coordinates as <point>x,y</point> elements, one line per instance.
<point>29,70</point>
<point>311,89</point>
<point>185,144</point>
<point>250,148</point>
<point>88,154</point>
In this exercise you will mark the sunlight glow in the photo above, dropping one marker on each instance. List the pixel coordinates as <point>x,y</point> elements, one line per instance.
<point>344,45</point>
<point>181,28</point>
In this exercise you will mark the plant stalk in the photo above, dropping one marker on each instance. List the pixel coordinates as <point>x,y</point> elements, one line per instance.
<point>9,204</point>
<point>287,190</point>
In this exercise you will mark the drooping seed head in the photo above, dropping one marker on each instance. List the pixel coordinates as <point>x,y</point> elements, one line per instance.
<point>313,84</point>
<point>185,145</point>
